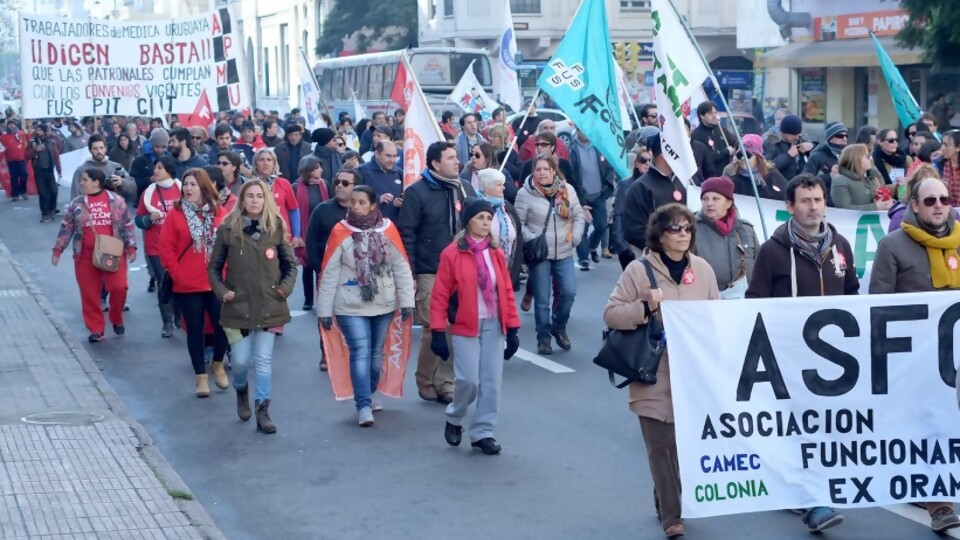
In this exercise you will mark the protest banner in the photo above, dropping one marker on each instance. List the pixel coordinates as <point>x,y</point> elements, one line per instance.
<point>801,402</point>
<point>138,68</point>
<point>863,230</point>
<point>69,163</point>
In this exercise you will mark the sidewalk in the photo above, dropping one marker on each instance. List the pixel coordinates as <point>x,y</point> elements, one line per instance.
<point>79,468</point>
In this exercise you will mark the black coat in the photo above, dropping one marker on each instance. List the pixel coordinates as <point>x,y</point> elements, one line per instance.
<point>700,154</point>
<point>608,180</point>
<point>821,161</point>
<point>283,152</point>
<point>649,192</point>
<point>718,157</point>
<point>142,171</point>
<point>429,219</point>
<point>322,220</point>
<point>775,150</point>
<point>330,162</point>
<point>775,188</point>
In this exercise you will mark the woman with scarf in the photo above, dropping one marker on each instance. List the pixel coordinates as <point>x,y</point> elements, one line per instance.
<point>252,271</point>
<point>266,169</point>
<point>365,279</point>
<point>548,205</point>
<point>156,202</point>
<point>950,170</point>
<point>186,244</point>
<point>729,244</point>
<point>857,186</point>
<point>483,156</point>
<point>890,161</point>
<point>474,293</point>
<point>506,228</point>
<point>124,152</point>
<point>770,183</point>
<point>229,163</point>
<point>311,190</point>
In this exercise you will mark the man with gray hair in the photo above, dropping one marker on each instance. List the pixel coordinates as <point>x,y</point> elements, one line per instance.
<point>529,149</point>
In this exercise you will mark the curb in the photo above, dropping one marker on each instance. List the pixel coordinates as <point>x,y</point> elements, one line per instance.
<point>196,514</point>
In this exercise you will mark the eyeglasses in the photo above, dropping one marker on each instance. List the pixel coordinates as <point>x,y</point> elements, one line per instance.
<point>478,155</point>
<point>224,163</point>
<point>344,183</point>
<point>543,144</point>
<point>911,133</point>
<point>840,136</point>
<point>891,140</point>
<point>930,201</point>
<point>677,229</point>
<point>198,138</point>
<point>653,115</point>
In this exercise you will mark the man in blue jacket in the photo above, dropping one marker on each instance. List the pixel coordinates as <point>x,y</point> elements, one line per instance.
<point>385,176</point>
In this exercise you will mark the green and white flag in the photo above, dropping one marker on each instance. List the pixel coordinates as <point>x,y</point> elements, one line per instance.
<point>677,74</point>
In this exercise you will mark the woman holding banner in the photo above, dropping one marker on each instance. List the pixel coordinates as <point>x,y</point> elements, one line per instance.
<point>365,279</point>
<point>729,244</point>
<point>680,275</point>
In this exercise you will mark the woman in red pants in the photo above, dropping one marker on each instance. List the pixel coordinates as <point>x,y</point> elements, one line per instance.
<point>97,211</point>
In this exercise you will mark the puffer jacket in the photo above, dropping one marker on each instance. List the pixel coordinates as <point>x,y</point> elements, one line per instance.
<point>255,271</point>
<point>340,291</point>
<point>852,193</point>
<point>626,311</point>
<point>538,215</point>
<point>731,256</point>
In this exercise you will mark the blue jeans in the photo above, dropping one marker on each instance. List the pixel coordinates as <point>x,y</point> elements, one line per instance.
<point>365,337</point>
<point>256,347</point>
<point>599,214</point>
<point>542,276</point>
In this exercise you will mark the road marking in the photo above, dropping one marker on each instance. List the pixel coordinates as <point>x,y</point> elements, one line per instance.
<point>298,312</point>
<point>919,515</point>
<point>540,361</point>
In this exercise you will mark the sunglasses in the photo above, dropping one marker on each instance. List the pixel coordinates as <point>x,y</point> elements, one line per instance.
<point>224,163</point>
<point>891,140</point>
<point>911,133</point>
<point>841,136</point>
<point>478,155</point>
<point>677,229</point>
<point>543,144</point>
<point>642,160</point>
<point>930,201</point>
<point>344,183</point>
<point>198,138</point>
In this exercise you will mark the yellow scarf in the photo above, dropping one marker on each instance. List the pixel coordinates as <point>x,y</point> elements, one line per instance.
<point>942,252</point>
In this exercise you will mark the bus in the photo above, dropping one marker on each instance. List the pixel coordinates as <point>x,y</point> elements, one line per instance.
<point>371,77</point>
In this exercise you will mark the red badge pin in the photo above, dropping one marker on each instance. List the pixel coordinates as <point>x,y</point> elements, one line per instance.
<point>457,205</point>
<point>270,253</point>
<point>710,141</point>
<point>677,196</point>
<point>688,277</point>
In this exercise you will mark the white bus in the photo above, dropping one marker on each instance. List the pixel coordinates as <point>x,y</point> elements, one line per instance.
<point>372,76</point>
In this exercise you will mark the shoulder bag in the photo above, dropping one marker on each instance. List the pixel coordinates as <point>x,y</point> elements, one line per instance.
<point>536,250</point>
<point>107,251</point>
<point>634,354</point>
<point>165,292</point>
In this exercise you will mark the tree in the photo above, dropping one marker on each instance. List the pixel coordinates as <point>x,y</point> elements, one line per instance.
<point>391,25</point>
<point>934,26</point>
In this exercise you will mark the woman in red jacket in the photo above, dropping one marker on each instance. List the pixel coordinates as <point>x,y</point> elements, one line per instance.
<point>186,242</point>
<point>474,269</point>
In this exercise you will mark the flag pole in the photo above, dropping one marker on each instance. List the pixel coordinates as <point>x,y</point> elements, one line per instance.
<point>533,104</point>
<point>733,122</point>
<point>316,82</point>
<point>419,92</point>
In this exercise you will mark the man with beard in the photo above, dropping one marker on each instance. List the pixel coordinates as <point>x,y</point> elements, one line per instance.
<point>181,148</point>
<point>712,135</point>
<point>118,180</point>
<point>823,159</point>
<point>223,137</point>
<point>291,151</point>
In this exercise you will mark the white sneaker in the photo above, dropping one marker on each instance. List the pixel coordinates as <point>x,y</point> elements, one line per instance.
<point>365,416</point>
<point>375,405</point>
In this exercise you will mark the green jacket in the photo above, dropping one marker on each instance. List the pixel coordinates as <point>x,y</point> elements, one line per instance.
<point>256,271</point>
<point>848,191</point>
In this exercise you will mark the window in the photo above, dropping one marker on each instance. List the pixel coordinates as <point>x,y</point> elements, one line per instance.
<point>525,6</point>
<point>634,5</point>
<point>376,82</point>
<point>362,74</point>
<point>448,8</point>
<point>389,74</point>
<point>433,9</point>
<point>284,66</point>
<point>337,91</point>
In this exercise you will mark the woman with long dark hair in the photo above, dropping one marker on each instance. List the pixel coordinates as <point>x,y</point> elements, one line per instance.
<point>892,162</point>
<point>311,190</point>
<point>229,164</point>
<point>484,156</point>
<point>124,152</point>
<point>156,202</point>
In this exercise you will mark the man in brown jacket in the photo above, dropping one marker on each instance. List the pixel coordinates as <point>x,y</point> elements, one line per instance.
<point>902,265</point>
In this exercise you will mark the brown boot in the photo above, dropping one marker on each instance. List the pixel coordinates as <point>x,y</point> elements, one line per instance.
<point>219,375</point>
<point>203,386</point>
<point>264,423</point>
<point>243,404</point>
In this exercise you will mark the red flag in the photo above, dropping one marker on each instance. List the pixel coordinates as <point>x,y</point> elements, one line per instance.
<point>400,94</point>
<point>202,115</point>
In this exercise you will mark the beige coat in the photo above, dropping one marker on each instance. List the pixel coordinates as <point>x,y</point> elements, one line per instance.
<point>625,311</point>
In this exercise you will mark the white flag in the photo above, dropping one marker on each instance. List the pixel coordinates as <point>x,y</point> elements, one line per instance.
<point>311,95</point>
<point>358,110</point>
<point>624,95</point>
<point>470,96</point>
<point>506,62</point>
<point>677,74</point>
<point>420,130</point>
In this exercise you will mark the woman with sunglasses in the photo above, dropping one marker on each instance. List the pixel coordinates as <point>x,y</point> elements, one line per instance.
<point>546,144</point>
<point>483,156</point>
<point>892,162</point>
<point>311,190</point>
<point>680,275</point>
<point>229,164</point>
<point>856,186</point>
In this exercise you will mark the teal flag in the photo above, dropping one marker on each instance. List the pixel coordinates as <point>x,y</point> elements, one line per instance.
<point>581,80</point>
<point>907,108</point>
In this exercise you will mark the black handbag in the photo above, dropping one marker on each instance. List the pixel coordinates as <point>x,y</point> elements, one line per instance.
<point>165,291</point>
<point>634,354</point>
<point>536,250</point>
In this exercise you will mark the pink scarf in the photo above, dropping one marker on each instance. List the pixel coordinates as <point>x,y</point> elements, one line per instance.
<point>483,271</point>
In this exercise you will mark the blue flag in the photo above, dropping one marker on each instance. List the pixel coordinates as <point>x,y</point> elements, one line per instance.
<point>907,108</point>
<point>581,80</point>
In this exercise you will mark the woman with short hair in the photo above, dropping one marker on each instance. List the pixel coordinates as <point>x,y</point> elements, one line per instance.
<point>725,240</point>
<point>506,228</point>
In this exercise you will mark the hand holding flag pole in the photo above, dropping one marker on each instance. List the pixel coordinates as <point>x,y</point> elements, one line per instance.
<point>533,104</point>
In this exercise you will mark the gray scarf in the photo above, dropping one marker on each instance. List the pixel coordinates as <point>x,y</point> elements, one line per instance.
<point>812,246</point>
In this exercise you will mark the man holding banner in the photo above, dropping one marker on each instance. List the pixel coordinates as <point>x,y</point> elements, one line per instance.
<point>922,256</point>
<point>806,257</point>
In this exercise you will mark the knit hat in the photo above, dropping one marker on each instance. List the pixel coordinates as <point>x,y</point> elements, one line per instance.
<point>834,129</point>
<point>753,144</point>
<point>159,138</point>
<point>322,136</point>
<point>653,145</point>
<point>471,207</point>
<point>248,125</point>
<point>718,184</point>
<point>791,125</point>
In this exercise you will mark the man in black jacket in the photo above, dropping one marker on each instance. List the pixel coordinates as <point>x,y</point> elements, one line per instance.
<point>428,221</point>
<point>712,135</point>
<point>326,150</point>
<point>291,151</point>
<point>823,159</point>
<point>651,191</point>
<point>323,219</point>
<point>785,149</point>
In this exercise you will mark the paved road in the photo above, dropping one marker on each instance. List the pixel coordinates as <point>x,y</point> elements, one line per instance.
<point>573,464</point>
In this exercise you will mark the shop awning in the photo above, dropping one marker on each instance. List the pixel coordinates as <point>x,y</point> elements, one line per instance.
<point>841,53</point>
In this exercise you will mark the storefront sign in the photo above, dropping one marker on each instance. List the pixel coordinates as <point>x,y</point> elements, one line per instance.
<point>859,25</point>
